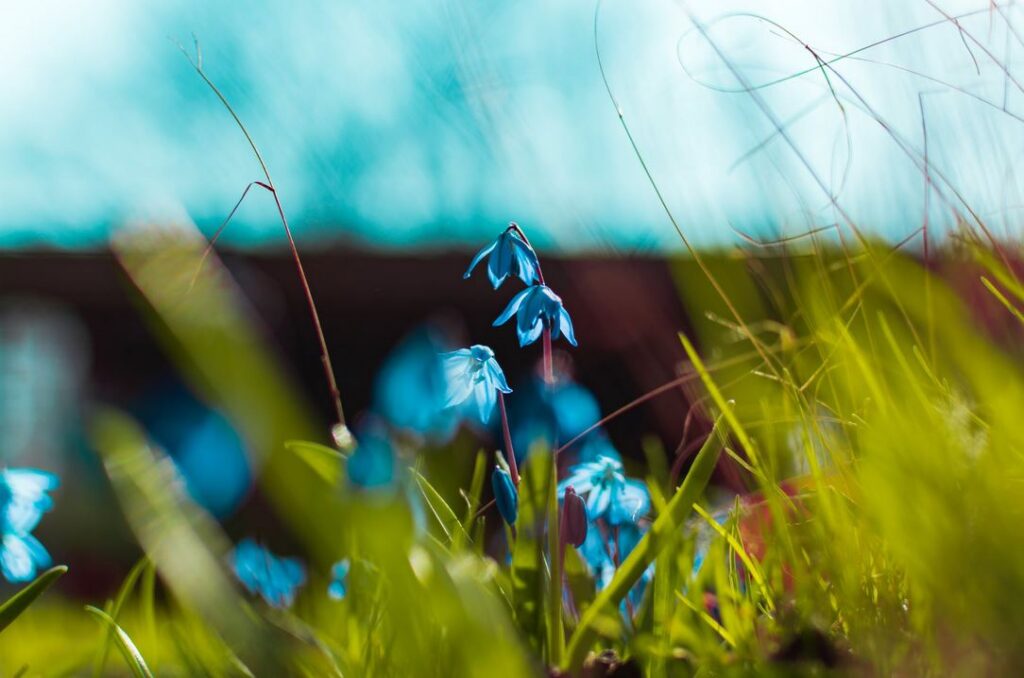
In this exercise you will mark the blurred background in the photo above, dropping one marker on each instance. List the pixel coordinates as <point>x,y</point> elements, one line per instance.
<point>402,137</point>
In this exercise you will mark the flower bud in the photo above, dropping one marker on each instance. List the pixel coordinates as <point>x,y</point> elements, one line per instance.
<point>574,518</point>
<point>505,495</point>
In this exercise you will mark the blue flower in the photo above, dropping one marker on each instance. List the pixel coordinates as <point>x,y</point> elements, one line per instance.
<point>537,308</point>
<point>474,372</point>
<point>505,495</point>
<point>23,501</point>
<point>601,549</point>
<point>410,389</point>
<point>510,255</point>
<point>338,588</point>
<point>597,445</point>
<point>275,579</point>
<point>609,494</point>
<point>372,464</point>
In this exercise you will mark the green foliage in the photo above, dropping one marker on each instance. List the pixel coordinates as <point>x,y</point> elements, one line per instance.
<point>873,418</point>
<point>20,601</point>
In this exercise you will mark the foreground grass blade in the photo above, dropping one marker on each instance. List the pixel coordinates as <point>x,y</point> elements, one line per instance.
<point>114,610</point>
<point>446,517</point>
<point>131,654</point>
<point>556,631</point>
<point>656,539</point>
<point>21,600</point>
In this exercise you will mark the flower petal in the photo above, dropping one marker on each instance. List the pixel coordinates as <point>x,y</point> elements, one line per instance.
<point>476,260</point>
<point>512,308</point>
<point>495,372</point>
<point>565,325</point>
<point>526,260</point>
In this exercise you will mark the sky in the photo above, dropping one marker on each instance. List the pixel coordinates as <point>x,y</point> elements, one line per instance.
<point>426,124</point>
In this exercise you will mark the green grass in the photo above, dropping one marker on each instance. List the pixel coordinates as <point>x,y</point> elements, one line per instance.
<point>877,423</point>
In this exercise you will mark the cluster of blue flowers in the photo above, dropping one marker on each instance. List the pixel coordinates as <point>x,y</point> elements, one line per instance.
<point>277,580</point>
<point>616,508</point>
<point>475,372</point>
<point>24,498</point>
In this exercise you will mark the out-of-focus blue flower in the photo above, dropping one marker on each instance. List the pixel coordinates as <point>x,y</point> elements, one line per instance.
<point>338,588</point>
<point>537,308</point>
<point>505,495</point>
<point>597,445</point>
<point>575,409</point>
<point>23,501</point>
<point>555,415</point>
<point>275,579</point>
<point>609,494</point>
<point>473,372</point>
<point>411,390</point>
<point>372,464</point>
<point>601,549</point>
<point>509,255</point>
<point>203,443</point>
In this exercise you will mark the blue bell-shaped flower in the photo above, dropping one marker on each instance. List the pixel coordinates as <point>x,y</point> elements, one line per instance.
<point>509,255</point>
<point>538,308</point>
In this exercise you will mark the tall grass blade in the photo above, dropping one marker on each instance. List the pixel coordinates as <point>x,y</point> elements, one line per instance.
<point>21,600</point>
<point>131,654</point>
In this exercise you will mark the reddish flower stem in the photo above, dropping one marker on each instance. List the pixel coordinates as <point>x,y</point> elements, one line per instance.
<point>341,432</point>
<point>510,454</point>
<point>549,368</point>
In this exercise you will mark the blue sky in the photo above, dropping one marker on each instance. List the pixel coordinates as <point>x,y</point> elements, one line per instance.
<point>431,124</point>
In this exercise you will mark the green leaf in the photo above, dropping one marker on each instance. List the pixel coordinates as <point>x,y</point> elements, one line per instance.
<point>652,543</point>
<point>446,517</point>
<point>131,654</point>
<point>529,568</point>
<point>325,461</point>
<point>21,600</point>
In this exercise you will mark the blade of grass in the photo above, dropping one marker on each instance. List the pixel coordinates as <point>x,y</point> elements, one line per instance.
<point>114,610</point>
<point>21,600</point>
<point>444,514</point>
<point>556,632</point>
<point>476,488</point>
<point>131,654</point>
<point>708,619</point>
<point>1002,298</point>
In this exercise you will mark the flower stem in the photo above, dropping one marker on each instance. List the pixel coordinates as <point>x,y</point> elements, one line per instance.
<point>510,454</point>
<point>549,368</point>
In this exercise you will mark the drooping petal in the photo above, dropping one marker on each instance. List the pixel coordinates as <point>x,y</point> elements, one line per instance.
<point>486,399</point>
<point>598,500</point>
<point>512,308</point>
<point>630,502</point>
<point>532,334</point>
<point>565,325</point>
<point>526,260</point>
<point>500,264</point>
<point>497,376</point>
<point>21,557</point>
<point>476,260</point>
<point>459,389</point>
